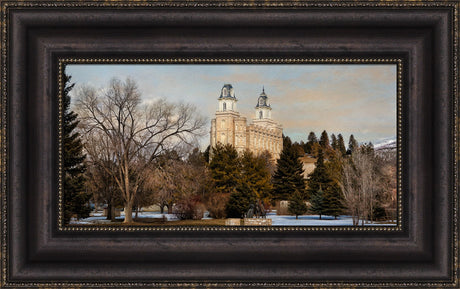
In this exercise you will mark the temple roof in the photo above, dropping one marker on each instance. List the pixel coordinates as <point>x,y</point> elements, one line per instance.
<point>262,101</point>
<point>227,92</point>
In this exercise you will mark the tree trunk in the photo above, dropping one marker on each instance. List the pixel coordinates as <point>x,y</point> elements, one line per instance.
<point>109,211</point>
<point>162,209</point>
<point>137,211</point>
<point>128,212</point>
<point>356,218</point>
<point>129,198</point>
<point>320,216</point>
<point>113,214</point>
<point>170,207</point>
<point>296,217</point>
<point>113,211</point>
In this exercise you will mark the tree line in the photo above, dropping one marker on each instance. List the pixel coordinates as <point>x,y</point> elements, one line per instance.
<point>123,153</point>
<point>358,180</point>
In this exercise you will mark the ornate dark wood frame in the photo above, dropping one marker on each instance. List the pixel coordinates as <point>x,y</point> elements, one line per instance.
<point>37,34</point>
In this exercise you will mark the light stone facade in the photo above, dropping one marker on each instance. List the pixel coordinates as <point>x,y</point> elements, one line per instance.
<point>229,127</point>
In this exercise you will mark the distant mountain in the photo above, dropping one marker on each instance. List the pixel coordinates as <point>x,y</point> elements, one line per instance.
<point>386,144</point>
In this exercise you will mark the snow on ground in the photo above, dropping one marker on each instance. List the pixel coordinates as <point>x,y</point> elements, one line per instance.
<point>313,220</point>
<point>98,218</point>
<point>307,220</point>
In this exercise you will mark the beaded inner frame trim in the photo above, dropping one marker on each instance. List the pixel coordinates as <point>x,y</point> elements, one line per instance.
<point>396,61</point>
<point>5,7</point>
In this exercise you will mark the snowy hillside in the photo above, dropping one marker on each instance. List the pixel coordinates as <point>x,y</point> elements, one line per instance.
<point>386,144</point>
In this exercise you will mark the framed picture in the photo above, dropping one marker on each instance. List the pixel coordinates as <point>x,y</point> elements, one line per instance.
<point>229,144</point>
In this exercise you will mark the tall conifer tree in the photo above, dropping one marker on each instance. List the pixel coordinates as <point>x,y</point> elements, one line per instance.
<point>323,189</point>
<point>312,139</point>
<point>75,198</point>
<point>225,168</point>
<point>319,177</point>
<point>288,176</point>
<point>333,200</point>
<point>255,173</point>
<point>341,145</point>
<point>324,140</point>
<point>352,144</point>
<point>297,205</point>
<point>334,142</point>
<point>317,202</point>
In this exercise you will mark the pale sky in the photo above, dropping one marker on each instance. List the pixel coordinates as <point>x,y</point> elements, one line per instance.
<point>357,99</point>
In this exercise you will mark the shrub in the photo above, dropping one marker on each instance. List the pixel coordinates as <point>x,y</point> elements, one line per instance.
<point>379,213</point>
<point>189,208</point>
<point>216,205</point>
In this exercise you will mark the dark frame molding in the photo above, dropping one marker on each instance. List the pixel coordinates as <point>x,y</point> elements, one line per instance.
<point>37,34</point>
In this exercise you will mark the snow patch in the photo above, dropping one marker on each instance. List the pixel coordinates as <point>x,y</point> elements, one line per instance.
<point>304,220</point>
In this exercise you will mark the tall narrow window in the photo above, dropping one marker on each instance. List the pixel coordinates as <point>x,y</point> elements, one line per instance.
<point>260,114</point>
<point>225,106</point>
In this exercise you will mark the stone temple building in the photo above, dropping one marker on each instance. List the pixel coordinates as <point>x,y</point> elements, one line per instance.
<point>229,127</point>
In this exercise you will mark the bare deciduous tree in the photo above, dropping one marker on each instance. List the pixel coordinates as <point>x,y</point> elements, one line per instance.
<point>351,191</point>
<point>162,184</point>
<point>133,133</point>
<point>174,180</point>
<point>360,184</point>
<point>388,169</point>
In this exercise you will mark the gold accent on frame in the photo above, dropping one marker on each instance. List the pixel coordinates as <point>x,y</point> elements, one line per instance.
<point>269,4</point>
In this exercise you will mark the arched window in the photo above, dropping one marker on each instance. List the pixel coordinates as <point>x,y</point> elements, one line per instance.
<point>222,124</point>
<point>260,114</point>
<point>225,106</point>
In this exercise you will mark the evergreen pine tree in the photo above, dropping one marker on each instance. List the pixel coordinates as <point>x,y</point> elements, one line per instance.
<point>317,203</point>
<point>312,139</point>
<point>225,168</point>
<point>255,173</point>
<point>318,177</point>
<point>288,176</point>
<point>324,140</point>
<point>75,198</point>
<point>297,205</point>
<point>370,148</point>
<point>333,200</point>
<point>341,145</point>
<point>334,142</point>
<point>325,179</point>
<point>206,154</point>
<point>240,200</point>
<point>352,144</point>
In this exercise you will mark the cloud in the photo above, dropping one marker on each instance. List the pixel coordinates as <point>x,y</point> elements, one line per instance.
<point>358,99</point>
